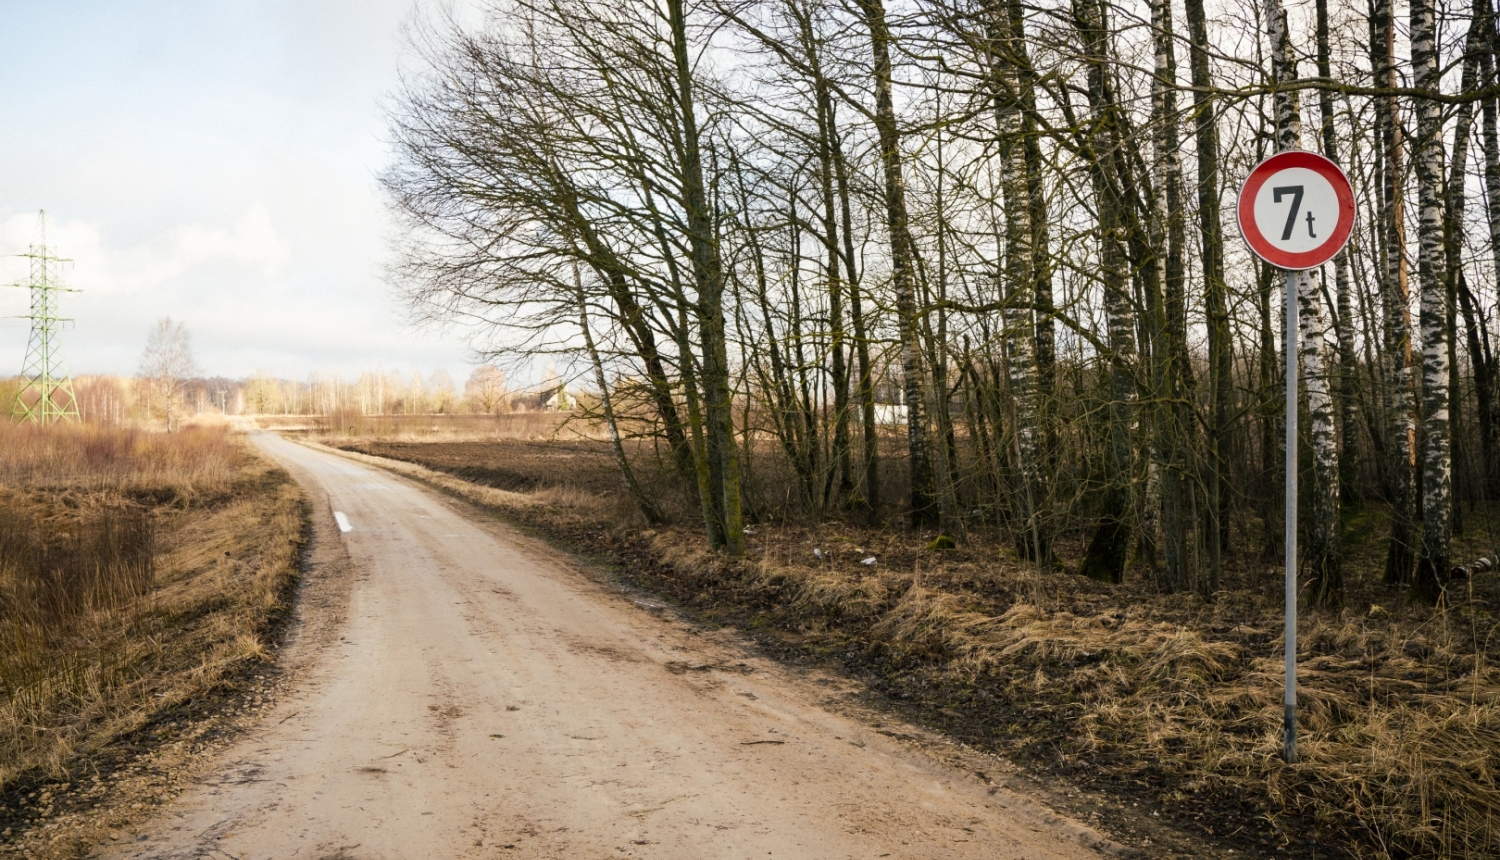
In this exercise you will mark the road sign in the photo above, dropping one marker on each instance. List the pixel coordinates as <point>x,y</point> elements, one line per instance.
<point>1296,210</point>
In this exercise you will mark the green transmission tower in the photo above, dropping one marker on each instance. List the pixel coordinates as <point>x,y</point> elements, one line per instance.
<point>46,394</point>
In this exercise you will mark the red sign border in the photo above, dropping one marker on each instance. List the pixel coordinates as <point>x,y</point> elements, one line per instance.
<point>1245,209</point>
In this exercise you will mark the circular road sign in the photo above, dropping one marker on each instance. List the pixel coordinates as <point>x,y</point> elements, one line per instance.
<point>1296,210</point>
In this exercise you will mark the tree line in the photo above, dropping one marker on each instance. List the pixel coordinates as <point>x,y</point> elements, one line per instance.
<point>170,392</point>
<point>775,232</point>
<point>381,392</point>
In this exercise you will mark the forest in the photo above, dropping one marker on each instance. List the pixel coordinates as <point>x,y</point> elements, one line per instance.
<point>778,236</point>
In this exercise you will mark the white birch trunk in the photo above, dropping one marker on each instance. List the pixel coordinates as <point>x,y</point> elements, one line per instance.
<point>1401,474</point>
<point>1018,281</point>
<point>1322,553</point>
<point>1437,465</point>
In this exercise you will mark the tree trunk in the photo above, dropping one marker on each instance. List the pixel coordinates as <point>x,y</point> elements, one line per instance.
<point>1105,556</point>
<point>708,275</point>
<point>1175,425</point>
<point>923,510</point>
<point>1018,280</point>
<point>949,519</point>
<point>1490,417</point>
<point>1401,472</point>
<point>806,410</point>
<point>1455,202</point>
<point>840,368</point>
<point>1220,356</point>
<point>1437,464</point>
<point>632,319</point>
<point>1345,392</point>
<point>606,402</point>
<point>1325,573</point>
<point>1482,360</point>
<point>870,500</point>
<point>1270,496</point>
<point>1041,266</point>
<point>705,474</point>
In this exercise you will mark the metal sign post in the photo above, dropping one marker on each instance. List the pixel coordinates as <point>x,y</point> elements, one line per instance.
<point>1289,523</point>
<point>1296,211</point>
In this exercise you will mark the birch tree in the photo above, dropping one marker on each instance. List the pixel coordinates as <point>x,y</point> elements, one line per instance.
<point>165,365</point>
<point>1437,465</point>
<point>1323,560</point>
<point>1401,470</point>
<point>913,369</point>
<point>1106,554</point>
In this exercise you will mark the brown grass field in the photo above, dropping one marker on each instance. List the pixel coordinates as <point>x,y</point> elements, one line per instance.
<point>141,573</point>
<point>1150,707</point>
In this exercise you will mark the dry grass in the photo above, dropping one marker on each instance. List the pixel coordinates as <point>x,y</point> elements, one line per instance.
<point>83,458</point>
<point>137,571</point>
<point>1400,716</point>
<point>1145,696</point>
<point>573,475</point>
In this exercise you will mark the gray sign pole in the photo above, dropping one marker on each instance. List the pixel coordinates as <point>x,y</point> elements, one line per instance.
<point>1289,742</point>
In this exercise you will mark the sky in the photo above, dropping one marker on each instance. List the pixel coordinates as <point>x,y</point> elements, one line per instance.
<point>214,161</point>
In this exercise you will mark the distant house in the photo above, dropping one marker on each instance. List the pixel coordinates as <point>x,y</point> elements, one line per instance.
<point>556,399</point>
<point>890,403</point>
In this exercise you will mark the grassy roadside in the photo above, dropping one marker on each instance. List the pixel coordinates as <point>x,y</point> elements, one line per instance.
<point>142,575</point>
<point>1159,707</point>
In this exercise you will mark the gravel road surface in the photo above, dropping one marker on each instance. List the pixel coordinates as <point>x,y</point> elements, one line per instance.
<point>472,694</point>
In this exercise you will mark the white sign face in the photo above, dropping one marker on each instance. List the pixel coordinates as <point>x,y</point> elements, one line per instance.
<point>1297,210</point>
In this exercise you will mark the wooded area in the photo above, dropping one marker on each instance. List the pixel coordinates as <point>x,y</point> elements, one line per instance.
<point>774,231</point>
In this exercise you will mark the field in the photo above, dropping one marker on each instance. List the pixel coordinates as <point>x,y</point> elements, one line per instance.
<point>1148,707</point>
<point>141,576</point>
<point>508,425</point>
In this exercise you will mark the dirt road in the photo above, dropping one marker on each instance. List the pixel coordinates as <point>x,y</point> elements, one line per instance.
<point>477,697</point>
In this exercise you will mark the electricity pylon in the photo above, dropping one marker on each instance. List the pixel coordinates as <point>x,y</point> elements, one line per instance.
<point>46,394</point>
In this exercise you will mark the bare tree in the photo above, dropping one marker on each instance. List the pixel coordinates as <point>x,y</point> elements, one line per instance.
<point>165,366</point>
<point>486,390</point>
<point>913,366</point>
<point>1106,554</point>
<point>1401,470</point>
<point>964,226</point>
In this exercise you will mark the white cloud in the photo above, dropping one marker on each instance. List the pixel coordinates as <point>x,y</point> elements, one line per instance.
<point>104,267</point>
<point>252,242</point>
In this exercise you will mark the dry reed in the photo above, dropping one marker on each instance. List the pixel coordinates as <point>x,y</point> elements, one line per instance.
<point>137,569</point>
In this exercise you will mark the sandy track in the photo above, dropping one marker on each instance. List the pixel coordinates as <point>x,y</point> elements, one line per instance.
<point>484,700</point>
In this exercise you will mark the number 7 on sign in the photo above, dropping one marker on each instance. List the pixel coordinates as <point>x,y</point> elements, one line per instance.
<point>1291,217</point>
